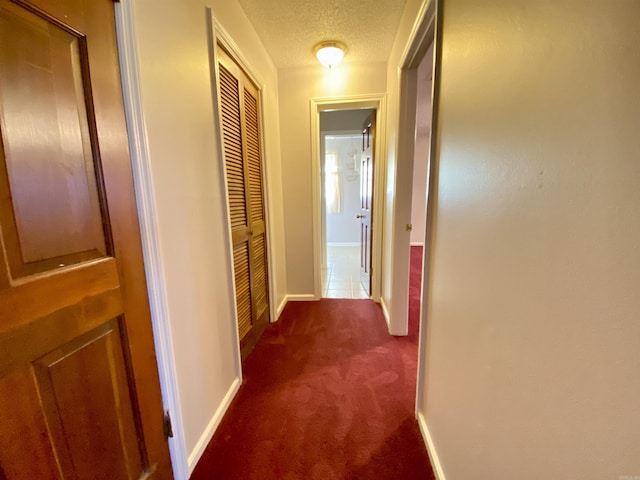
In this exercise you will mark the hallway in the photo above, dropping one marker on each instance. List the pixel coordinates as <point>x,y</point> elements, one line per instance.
<point>327,394</point>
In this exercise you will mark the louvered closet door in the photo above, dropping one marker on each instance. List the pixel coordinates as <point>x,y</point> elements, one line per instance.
<point>243,162</point>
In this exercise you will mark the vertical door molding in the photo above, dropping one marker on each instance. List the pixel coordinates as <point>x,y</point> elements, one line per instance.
<point>426,30</point>
<point>422,35</point>
<point>418,44</point>
<point>145,198</point>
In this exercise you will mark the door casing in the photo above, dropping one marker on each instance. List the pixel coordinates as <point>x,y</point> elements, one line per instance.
<point>425,32</point>
<point>318,105</point>
<point>141,166</point>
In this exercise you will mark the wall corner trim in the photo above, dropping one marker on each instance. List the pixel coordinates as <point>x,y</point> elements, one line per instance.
<point>431,449</point>
<point>207,435</point>
<point>281,306</point>
<point>385,312</point>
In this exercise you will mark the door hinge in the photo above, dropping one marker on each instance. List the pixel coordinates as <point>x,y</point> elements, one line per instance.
<point>168,429</point>
<point>409,227</point>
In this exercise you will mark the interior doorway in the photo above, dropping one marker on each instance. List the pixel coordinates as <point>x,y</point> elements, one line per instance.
<point>419,187</point>
<point>346,117</point>
<point>343,180</point>
<point>423,50</point>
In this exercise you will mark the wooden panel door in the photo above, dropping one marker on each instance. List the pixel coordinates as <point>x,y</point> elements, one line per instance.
<point>243,165</point>
<point>79,388</point>
<point>366,200</point>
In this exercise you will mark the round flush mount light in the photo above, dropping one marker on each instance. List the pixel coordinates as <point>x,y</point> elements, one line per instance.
<point>330,53</point>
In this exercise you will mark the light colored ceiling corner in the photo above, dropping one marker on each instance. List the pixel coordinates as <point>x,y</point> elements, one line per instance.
<point>290,29</point>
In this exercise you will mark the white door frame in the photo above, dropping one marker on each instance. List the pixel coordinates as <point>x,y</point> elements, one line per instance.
<point>377,102</point>
<point>419,41</point>
<point>141,167</point>
<point>425,32</point>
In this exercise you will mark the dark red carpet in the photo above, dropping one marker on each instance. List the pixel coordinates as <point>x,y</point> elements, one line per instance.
<point>328,394</point>
<point>415,290</point>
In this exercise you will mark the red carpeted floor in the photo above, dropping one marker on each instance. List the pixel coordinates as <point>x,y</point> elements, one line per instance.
<point>328,394</point>
<point>415,290</point>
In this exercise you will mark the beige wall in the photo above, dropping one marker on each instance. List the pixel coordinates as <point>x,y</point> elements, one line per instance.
<point>532,357</point>
<point>297,86</point>
<point>189,195</point>
<point>421,151</point>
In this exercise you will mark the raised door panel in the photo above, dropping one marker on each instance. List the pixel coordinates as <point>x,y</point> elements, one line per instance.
<point>48,156</point>
<point>84,391</point>
<point>23,428</point>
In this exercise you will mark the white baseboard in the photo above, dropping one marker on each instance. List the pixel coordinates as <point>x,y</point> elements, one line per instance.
<point>343,244</point>
<point>303,297</point>
<point>280,308</point>
<point>431,449</point>
<point>385,312</point>
<point>207,435</point>
<point>417,244</point>
<point>288,298</point>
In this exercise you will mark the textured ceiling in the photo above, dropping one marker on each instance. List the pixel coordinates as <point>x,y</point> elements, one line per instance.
<point>290,29</point>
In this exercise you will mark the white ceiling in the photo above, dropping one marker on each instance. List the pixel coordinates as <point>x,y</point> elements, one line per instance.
<point>290,29</point>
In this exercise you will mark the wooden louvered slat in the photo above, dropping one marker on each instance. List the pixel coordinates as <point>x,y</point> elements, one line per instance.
<point>243,289</point>
<point>239,110</point>
<point>254,156</point>
<point>260,273</point>
<point>232,140</point>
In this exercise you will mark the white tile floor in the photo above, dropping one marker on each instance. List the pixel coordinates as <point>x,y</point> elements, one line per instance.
<point>341,278</point>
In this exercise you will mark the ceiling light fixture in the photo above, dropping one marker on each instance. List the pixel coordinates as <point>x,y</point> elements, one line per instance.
<point>330,53</point>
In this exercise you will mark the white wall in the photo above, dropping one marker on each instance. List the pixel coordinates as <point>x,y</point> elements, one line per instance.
<point>419,189</point>
<point>421,152</point>
<point>343,226</point>
<point>297,86</point>
<point>189,195</point>
<point>532,366</point>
